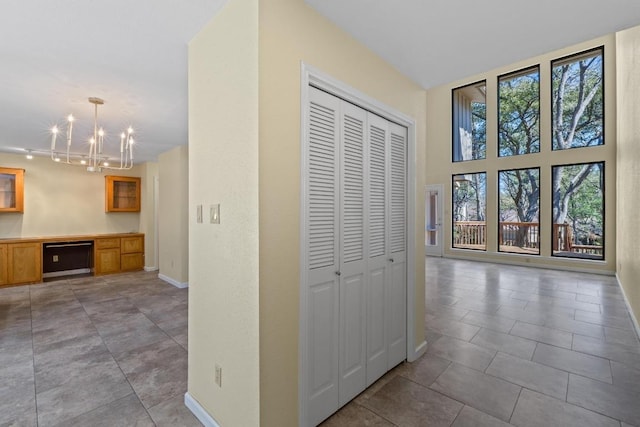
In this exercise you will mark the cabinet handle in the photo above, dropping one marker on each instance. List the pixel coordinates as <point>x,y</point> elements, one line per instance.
<point>390,259</point>
<point>338,273</point>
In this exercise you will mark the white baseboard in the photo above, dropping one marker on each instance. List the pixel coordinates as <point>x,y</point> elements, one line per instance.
<point>151,269</point>
<point>631,313</point>
<point>418,352</point>
<point>199,411</point>
<point>174,282</point>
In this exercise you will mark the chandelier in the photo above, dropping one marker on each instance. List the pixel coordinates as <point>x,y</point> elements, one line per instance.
<point>95,160</point>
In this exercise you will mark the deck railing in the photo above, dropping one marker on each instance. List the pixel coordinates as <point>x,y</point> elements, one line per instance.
<point>473,234</point>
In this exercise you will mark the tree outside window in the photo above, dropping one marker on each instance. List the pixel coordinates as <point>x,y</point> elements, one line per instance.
<point>469,211</point>
<point>578,100</point>
<point>578,210</point>
<point>519,200</point>
<point>519,113</point>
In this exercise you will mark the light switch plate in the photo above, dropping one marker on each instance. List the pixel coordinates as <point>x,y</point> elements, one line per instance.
<point>214,213</point>
<point>199,214</point>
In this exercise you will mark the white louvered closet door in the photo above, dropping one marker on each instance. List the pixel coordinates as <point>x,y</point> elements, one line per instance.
<point>377,272</point>
<point>355,251</point>
<point>322,291</point>
<point>352,253</point>
<point>396,298</point>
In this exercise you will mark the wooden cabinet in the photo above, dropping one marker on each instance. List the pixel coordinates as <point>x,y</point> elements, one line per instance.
<point>11,190</point>
<point>107,255</point>
<point>4,279</point>
<point>116,254</point>
<point>24,262</point>
<point>21,259</point>
<point>132,253</point>
<point>122,194</point>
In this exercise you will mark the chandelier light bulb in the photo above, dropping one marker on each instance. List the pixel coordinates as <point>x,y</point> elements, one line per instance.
<point>101,132</point>
<point>54,130</point>
<point>70,118</point>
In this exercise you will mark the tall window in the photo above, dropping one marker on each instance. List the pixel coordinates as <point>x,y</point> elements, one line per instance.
<point>519,199</point>
<point>519,112</point>
<point>578,100</point>
<point>469,122</point>
<point>575,191</point>
<point>578,210</point>
<point>469,211</point>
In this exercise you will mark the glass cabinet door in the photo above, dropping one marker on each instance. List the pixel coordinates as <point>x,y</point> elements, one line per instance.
<point>11,190</point>
<point>122,194</point>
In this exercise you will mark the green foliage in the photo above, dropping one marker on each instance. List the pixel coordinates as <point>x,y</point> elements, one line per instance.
<point>519,114</point>
<point>585,204</point>
<point>479,129</point>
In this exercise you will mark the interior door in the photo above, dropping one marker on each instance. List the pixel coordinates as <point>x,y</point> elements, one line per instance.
<point>433,222</point>
<point>397,229</point>
<point>352,253</point>
<point>323,279</point>
<point>377,356</point>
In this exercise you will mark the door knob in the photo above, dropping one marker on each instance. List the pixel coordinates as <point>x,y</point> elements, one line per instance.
<point>338,273</point>
<point>390,259</point>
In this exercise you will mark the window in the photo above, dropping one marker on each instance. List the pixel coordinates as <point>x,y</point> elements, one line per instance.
<point>469,211</point>
<point>527,164</point>
<point>519,113</point>
<point>578,210</point>
<point>519,200</point>
<point>578,100</point>
<point>469,122</point>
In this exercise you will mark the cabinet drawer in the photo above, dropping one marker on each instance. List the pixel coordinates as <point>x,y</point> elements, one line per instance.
<point>107,243</point>
<point>131,262</point>
<point>131,245</point>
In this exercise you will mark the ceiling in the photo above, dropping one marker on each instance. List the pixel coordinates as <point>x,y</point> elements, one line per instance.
<point>55,54</point>
<point>133,54</point>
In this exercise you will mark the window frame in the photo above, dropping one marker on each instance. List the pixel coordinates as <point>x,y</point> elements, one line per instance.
<point>604,210</point>
<point>539,168</point>
<point>453,125</point>
<point>571,58</point>
<point>516,73</point>
<point>453,175</point>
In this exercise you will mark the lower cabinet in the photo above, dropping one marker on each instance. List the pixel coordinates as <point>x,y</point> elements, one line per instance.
<point>116,254</point>
<point>21,261</point>
<point>4,278</point>
<point>107,261</point>
<point>24,262</point>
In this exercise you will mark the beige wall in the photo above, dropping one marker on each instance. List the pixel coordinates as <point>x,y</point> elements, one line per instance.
<point>628,103</point>
<point>440,168</point>
<point>63,200</point>
<point>223,260</point>
<point>148,226</point>
<point>173,215</point>
<point>291,32</point>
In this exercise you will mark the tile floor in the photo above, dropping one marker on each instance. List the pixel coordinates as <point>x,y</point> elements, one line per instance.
<point>106,351</point>
<point>512,346</point>
<point>507,345</point>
